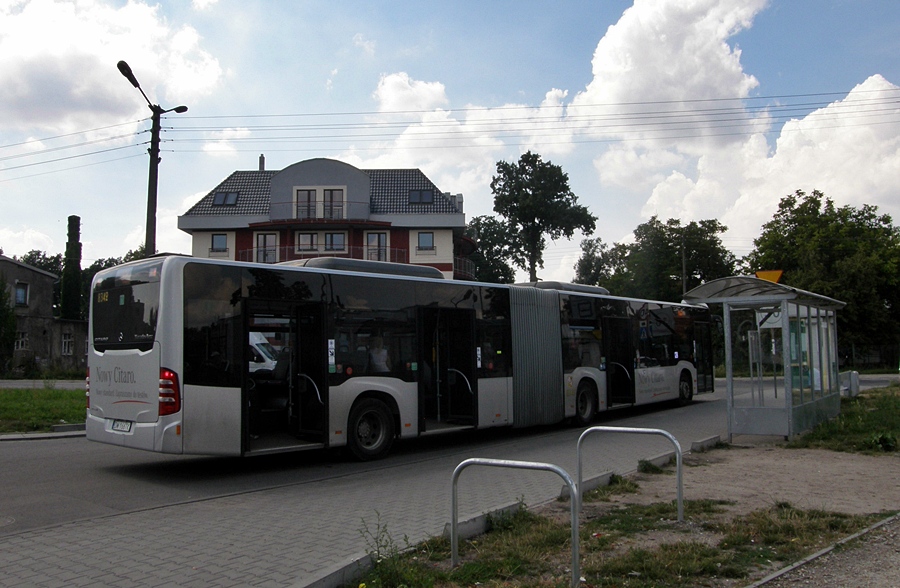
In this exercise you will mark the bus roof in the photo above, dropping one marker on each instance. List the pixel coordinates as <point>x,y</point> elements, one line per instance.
<point>367,266</point>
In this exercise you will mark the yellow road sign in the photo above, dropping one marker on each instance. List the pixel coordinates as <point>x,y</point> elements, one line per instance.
<point>770,275</point>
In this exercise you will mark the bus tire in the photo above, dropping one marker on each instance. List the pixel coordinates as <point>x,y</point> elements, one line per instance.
<point>370,429</point>
<point>685,389</point>
<point>585,404</point>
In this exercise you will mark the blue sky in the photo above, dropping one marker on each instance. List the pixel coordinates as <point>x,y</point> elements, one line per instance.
<point>686,109</point>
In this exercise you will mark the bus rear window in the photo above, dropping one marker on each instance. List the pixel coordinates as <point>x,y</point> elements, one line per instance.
<point>125,305</point>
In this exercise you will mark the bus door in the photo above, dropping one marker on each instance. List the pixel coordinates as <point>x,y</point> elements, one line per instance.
<point>308,405</point>
<point>703,357</point>
<point>447,377</point>
<point>620,353</point>
<point>285,403</point>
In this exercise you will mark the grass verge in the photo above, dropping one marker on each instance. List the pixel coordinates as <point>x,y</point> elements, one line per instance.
<point>868,423</point>
<point>24,410</point>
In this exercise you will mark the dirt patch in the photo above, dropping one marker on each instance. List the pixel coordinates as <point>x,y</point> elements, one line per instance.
<point>757,477</point>
<point>751,478</point>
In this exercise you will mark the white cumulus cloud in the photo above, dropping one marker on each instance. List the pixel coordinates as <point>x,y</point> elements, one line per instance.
<point>58,63</point>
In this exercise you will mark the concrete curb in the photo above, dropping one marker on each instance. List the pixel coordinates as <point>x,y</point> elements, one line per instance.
<point>704,444</point>
<point>661,460</point>
<point>601,479</point>
<point>339,574</point>
<point>41,436</point>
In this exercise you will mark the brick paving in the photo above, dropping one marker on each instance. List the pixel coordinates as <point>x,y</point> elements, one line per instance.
<point>293,536</point>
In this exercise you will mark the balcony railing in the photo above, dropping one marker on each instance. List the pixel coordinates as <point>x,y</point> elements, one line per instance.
<point>463,269</point>
<point>288,253</point>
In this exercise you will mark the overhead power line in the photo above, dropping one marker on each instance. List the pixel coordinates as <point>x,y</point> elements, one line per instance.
<point>485,127</point>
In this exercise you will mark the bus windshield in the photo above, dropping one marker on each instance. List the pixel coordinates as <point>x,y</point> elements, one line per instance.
<point>125,304</point>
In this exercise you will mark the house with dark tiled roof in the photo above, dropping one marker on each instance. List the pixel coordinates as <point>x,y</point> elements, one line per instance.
<point>327,208</point>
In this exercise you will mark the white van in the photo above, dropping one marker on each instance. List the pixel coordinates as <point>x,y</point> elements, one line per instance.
<point>262,354</point>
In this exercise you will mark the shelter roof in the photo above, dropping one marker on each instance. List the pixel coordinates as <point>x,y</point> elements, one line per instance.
<point>752,292</point>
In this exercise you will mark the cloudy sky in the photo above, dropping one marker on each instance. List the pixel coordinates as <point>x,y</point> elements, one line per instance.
<point>687,109</point>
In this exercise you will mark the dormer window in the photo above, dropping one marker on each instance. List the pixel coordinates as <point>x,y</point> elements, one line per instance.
<point>421,196</point>
<point>225,198</point>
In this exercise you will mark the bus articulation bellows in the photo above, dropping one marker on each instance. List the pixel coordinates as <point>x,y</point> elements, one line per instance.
<point>365,355</point>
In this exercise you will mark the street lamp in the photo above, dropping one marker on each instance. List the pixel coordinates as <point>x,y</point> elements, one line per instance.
<point>153,179</point>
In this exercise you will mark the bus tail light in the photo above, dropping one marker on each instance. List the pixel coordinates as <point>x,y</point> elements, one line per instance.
<point>169,393</point>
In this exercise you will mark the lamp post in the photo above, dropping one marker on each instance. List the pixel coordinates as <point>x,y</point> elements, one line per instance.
<point>153,177</point>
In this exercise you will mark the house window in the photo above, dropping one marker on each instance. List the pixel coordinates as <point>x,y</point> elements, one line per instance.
<point>21,294</point>
<point>225,198</point>
<point>266,247</point>
<point>421,196</point>
<point>68,344</point>
<point>219,243</point>
<point>376,246</point>
<point>306,204</point>
<point>21,340</point>
<point>334,204</point>
<point>307,242</point>
<point>335,241</point>
<point>425,243</point>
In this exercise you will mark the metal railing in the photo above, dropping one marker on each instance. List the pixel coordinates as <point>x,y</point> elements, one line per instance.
<point>526,465</point>
<point>666,434</point>
<point>575,489</point>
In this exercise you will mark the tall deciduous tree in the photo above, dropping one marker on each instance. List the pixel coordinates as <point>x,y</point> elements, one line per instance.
<point>495,247</point>
<point>852,254</point>
<point>665,260</point>
<point>535,199</point>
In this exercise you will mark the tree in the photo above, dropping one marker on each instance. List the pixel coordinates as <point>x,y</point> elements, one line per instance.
<point>851,254</point>
<point>7,327</point>
<point>535,199</point>
<point>494,240</point>
<point>40,260</point>
<point>665,260</point>
<point>601,264</point>
<point>135,254</point>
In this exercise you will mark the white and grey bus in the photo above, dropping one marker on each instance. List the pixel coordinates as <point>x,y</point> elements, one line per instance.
<point>367,353</point>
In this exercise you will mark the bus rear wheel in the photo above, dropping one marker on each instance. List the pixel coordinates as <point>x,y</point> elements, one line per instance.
<point>585,405</point>
<point>370,429</point>
<point>685,390</point>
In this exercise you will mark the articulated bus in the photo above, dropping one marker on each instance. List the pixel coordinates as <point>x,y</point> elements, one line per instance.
<point>365,353</point>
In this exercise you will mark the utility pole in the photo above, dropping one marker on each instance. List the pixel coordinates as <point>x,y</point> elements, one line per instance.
<point>153,176</point>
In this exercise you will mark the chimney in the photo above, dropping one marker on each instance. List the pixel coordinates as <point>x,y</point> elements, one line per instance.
<point>262,162</point>
<point>456,200</point>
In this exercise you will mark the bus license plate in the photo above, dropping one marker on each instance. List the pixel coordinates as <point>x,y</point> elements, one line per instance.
<point>122,426</point>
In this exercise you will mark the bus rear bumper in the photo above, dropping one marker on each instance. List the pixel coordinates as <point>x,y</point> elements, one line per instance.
<point>163,437</point>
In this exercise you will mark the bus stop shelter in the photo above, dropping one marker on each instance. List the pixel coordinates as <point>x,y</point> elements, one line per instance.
<point>791,352</point>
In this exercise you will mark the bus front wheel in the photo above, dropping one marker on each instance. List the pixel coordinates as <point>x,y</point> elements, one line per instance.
<point>685,390</point>
<point>370,429</point>
<point>585,405</point>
